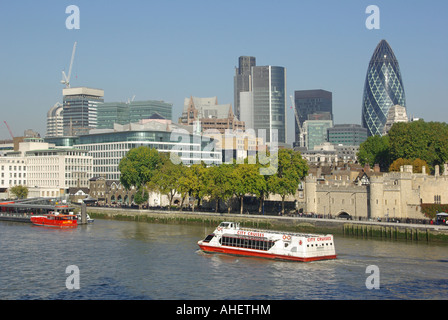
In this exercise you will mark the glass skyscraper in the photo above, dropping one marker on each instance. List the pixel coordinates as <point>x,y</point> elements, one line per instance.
<point>80,109</point>
<point>269,101</point>
<point>383,89</point>
<point>242,80</point>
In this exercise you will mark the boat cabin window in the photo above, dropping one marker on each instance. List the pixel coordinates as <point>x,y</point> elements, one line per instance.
<point>229,225</point>
<point>209,237</point>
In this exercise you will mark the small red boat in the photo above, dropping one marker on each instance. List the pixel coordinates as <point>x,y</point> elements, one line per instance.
<point>55,220</point>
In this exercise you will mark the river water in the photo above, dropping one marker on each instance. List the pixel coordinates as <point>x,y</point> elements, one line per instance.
<point>131,260</point>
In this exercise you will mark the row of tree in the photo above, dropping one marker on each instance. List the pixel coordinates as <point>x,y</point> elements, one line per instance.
<point>426,141</point>
<point>148,170</point>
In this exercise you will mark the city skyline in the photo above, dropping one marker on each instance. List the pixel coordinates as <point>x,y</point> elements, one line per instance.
<point>170,50</point>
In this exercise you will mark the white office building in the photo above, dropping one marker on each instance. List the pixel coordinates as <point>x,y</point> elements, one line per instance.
<point>46,171</point>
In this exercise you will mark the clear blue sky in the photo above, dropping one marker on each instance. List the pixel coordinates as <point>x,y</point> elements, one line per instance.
<point>169,50</point>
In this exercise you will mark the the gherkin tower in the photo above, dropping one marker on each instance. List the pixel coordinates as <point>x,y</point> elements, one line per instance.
<point>382,90</point>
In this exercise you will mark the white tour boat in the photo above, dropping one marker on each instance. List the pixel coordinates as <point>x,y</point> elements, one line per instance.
<point>229,238</point>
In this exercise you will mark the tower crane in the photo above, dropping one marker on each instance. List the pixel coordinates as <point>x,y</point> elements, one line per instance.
<point>66,78</point>
<point>9,129</point>
<point>301,132</point>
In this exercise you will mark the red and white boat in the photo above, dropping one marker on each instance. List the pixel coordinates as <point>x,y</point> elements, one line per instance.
<point>229,238</point>
<point>55,220</point>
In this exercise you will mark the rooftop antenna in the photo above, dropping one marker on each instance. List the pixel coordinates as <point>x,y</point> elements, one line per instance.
<point>66,78</point>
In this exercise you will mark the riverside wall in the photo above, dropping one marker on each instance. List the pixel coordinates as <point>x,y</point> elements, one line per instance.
<point>368,230</point>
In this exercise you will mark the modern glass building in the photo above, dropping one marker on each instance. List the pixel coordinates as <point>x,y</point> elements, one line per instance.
<point>109,146</point>
<point>313,102</point>
<point>383,89</point>
<point>134,111</point>
<point>242,80</point>
<point>347,134</point>
<point>316,132</point>
<point>80,109</point>
<point>269,101</point>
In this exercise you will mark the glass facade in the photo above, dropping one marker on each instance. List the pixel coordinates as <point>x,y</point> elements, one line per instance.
<point>242,81</point>
<point>269,101</point>
<point>316,132</point>
<point>383,89</point>
<point>124,113</point>
<point>313,102</point>
<point>347,134</point>
<point>80,110</point>
<point>107,149</point>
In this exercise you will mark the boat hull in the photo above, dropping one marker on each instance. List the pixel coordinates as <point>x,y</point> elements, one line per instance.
<point>267,255</point>
<point>62,224</point>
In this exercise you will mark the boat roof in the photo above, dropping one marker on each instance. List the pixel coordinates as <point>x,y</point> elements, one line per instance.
<point>299,234</point>
<point>36,203</point>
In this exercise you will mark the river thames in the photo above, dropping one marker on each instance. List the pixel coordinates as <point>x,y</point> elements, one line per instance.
<point>119,260</point>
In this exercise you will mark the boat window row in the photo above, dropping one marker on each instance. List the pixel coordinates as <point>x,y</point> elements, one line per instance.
<point>248,243</point>
<point>320,245</point>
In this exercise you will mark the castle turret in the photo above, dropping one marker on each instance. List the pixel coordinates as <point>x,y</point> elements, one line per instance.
<point>310,193</point>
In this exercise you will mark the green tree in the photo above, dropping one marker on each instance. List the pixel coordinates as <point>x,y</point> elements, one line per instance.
<point>219,183</point>
<point>21,192</point>
<point>375,150</point>
<point>193,183</point>
<point>138,167</point>
<point>292,168</point>
<point>247,180</point>
<point>166,178</point>
<point>427,141</point>
<point>141,196</point>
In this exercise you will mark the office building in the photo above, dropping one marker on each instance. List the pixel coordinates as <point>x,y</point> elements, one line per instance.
<point>312,105</point>
<point>347,134</point>
<point>80,109</point>
<point>383,89</point>
<point>109,146</point>
<point>260,98</point>
<point>55,121</point>
<point>242,81</point>
<point>395,114</point>
<point>109,113</point>
<point>316,132</point>
<point>46,171</point>
<point>269,102</point>
<point>205,114</point>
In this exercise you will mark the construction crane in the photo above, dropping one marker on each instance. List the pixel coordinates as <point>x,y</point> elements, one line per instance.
<point>301,132</point>
<point>66,78</point>
<point>9,129</point>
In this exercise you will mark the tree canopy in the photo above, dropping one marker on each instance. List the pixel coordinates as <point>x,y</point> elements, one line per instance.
<point>21,192</point>
<point>427,141</point>
<point>147,169</point>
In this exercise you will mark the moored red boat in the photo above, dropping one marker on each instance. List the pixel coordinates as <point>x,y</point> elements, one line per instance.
<point>229,238</point>
<point>55,220</point>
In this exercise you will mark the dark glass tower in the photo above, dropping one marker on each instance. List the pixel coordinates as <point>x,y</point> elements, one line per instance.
<point>242,80</point>
<point>382,90</point>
